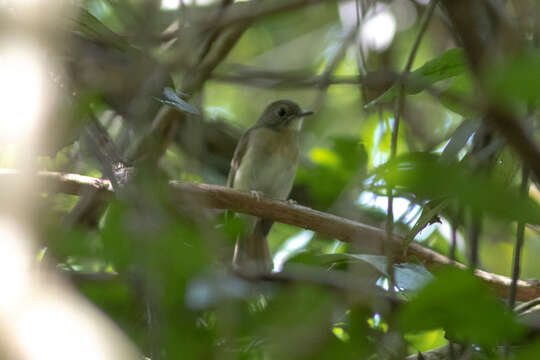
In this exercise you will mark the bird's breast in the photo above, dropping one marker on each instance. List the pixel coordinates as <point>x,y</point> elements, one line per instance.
<point>269,164</point>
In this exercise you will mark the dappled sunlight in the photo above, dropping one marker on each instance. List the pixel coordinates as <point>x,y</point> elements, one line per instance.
<point>379,28</point>
<point>291,247</point>
<point>402,208</point>
<point>22,91</point>
<point>15,264</point>
<point>39,317</point>
<point>175,4</point>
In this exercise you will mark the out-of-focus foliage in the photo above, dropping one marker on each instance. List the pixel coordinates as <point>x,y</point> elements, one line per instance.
<point>461,304</point>
<point>449,64</point>
<point>425,176</point>
<point>158,266</point>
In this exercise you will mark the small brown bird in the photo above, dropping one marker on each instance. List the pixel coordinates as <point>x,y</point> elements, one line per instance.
<point>265,161</point>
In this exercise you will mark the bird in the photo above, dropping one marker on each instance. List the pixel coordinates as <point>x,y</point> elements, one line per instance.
<point>265,162</point>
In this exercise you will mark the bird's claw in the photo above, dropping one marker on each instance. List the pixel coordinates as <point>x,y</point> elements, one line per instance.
<point>292,202</point>
<point>256,194</point>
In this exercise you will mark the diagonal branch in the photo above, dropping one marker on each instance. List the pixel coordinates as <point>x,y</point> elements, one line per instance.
<point>219,197</point>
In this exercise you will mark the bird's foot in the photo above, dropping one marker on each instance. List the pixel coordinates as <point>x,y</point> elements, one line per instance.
<point>256,194</point>
<point>292,202</point>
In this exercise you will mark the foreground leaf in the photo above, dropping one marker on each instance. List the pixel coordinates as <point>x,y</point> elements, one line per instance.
<point>461,304</point>
<point>450,63</point>
<point>425,176</point>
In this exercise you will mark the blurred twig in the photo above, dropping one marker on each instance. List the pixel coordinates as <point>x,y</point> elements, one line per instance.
<point>400,103</point>
<point>519,244</point>
<point>280,80</point>
<point>271,79</point>
<point>246,13</point>
<point>219,197</point>
<point>521,308</point>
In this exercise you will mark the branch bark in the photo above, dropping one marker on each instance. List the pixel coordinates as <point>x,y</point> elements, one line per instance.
<point>219,197</point>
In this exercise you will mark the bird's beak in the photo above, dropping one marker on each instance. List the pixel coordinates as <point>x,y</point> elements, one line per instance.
<point>305,113</point>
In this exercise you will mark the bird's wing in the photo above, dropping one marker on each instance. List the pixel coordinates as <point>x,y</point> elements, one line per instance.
<point>239,153</point>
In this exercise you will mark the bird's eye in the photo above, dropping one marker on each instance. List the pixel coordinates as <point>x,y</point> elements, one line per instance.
<point>282,112</point>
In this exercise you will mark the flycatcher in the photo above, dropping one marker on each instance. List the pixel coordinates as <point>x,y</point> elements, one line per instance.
<point>265,161</point>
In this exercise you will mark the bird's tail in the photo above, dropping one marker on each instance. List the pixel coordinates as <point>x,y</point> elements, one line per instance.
<point>251,252</point>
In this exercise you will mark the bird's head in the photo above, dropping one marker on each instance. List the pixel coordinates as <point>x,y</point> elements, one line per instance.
<point>283,114</point>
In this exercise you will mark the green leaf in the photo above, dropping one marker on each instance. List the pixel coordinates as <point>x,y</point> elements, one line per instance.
<point>379,262</point>
<point>90,27</point>
<point>528,352</point>
<point>408,277</point>
<point>460,303</point>
<point>425,176</point>
<point>332,169</point>
<point>463,87</point>
<point>172,99</point>
<point>411,277</point>
<point>516,79</point>
<point>431,209</point>
<point>449,64</point>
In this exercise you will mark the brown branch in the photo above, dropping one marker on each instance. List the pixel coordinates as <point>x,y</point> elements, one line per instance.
<point>219,197</point>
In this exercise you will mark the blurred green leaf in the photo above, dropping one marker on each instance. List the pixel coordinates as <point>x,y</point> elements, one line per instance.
<point>430,211</point>
<point>425,176</point>
<point>449,64</point>
<point>462,86</point>
<point>408,276</point>
<point>208,290</point>
<point>411,277</point>
<point>516,79</point>
<point>426,340</point>
<point>460,303</point>
<point>76,243</point>
<point>530,352</point>
<point>119,302</point>
<point>506,167</point>
<point>90,27</point>
<point>334,261</point>
<point>294,319</point>
<point>332,169</point>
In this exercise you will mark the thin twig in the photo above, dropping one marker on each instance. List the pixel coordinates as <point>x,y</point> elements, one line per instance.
<point>398,112</point>
<point>453,244</point>
<point>269,79</point>
<point>247,13</point>
<point>521,308</point>
<point>474,235</point>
